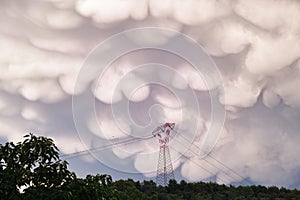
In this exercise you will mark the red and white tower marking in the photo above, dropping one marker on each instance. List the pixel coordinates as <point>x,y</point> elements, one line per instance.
<point>164,167</point>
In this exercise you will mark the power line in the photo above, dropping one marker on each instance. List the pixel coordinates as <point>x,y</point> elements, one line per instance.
<point>225,172</point>
<point>198,164</point>
<point>83,152</point>
<point>209,155</point>
<point>120,143</point>
<point>207,162</point>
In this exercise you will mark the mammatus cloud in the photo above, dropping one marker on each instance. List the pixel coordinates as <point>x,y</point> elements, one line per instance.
<point>255,44</point>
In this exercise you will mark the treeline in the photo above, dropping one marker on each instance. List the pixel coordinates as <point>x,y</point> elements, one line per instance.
<point>147,190</point>
<point>33,170</point>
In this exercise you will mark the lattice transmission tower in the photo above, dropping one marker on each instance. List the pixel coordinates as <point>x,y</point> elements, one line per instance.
<point>164,167</point>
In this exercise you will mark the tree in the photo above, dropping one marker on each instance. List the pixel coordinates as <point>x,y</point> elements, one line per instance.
<point>128,191</point>
<point>33,164</point>
<point>98,187</point>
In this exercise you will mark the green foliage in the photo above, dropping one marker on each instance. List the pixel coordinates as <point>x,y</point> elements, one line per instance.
<point>98,187</point>
<point>35,165</point>
<point>200,191</point>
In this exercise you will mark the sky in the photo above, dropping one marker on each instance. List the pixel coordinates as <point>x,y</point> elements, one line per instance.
<point>92,73</point>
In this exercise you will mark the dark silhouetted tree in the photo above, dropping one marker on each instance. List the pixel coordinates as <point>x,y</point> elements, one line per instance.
<point>33,164</point>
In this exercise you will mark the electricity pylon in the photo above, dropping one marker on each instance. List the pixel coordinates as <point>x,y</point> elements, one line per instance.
<point>164,167</point>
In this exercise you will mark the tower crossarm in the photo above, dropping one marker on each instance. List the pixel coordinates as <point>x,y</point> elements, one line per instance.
<point>164,167</point>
